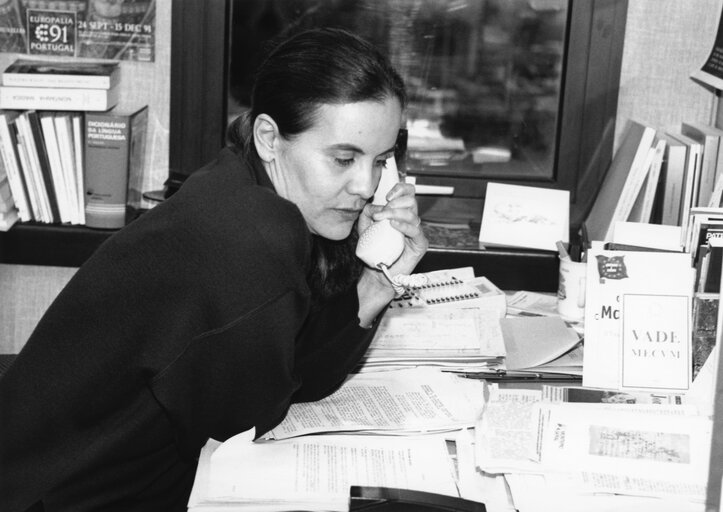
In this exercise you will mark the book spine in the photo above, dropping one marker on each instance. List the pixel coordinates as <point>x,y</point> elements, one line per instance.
<point>107,139</point>
<point>12,168</point>
<point>57,80</point>
<point>636,175</point>
<point>56,169</point>
<point>63,132</point>
<point>78,141</point>
<point>45,98</point>
<point>31,166</point>
<point>674,172</point>
<point>39,154</point>
<point>139,127</point>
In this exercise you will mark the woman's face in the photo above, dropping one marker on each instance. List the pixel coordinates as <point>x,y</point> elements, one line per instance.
<point>331,170</point>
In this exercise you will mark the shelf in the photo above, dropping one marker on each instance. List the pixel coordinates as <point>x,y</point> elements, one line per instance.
<point>70,246</point>
<point>51,245</point>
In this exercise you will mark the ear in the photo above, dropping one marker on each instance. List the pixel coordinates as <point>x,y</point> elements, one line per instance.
<point>266,136</point>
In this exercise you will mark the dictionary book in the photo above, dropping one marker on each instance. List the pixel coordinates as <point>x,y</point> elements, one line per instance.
<point>114,149</point>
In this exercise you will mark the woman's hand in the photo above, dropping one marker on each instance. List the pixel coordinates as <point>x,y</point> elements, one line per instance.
<point>375,290</point>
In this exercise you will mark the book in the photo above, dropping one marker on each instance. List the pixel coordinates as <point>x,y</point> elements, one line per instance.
<point>58,98</point>
<point>38,182</point>
<point>8,154</point>
<point>711,278</point>
<point>60,185</point>
<point>7,219</point>
<point>692,176</point>
<point>637,320</point>
<point>672,178</point>
<point>712,163</point>
<point>62,124</point>
<point>524,216</point>
<point>29,179</point>
<point>114,151</point>
<point>70,74</point>
<point>6,196</point>
<point>622,182</point>
<point>647,235</point>
<point>78,150</point>
<point>642,209</point>
<point>38,154</point>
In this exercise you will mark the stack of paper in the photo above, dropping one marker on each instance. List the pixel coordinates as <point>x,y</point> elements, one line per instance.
<point>315,472</point>
<point>456,339</point>
<point>645,452</point>
<point>398,402</point>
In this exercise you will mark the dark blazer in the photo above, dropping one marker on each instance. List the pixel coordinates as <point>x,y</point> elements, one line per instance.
<point>191,322</point>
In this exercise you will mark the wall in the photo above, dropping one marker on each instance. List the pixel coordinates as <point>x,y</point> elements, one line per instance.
<point>26,291</point>
<point>146,83</point>
<point>665,41</point>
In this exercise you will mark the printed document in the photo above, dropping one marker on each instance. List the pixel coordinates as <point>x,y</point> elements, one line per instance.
<point>315,472</point>
<point>460,339</point>
<point>413,400</point>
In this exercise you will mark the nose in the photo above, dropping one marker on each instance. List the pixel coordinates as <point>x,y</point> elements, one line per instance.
<point>364,181</point>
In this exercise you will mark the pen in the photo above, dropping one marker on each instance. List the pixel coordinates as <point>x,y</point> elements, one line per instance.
<point>563,252</point>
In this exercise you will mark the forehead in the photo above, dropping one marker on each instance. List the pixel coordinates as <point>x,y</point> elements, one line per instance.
<point>369,125</point>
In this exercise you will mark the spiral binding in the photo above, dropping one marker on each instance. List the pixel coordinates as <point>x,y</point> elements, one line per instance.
<point>419,287</point>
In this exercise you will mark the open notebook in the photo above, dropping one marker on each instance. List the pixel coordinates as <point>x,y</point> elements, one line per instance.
<point>454,287</point>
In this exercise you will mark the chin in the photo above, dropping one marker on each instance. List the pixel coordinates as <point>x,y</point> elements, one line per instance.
<point>338,232</point>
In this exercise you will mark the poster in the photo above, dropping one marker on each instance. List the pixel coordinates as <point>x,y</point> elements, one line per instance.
<point>100,29</point>
<point>711,73</point>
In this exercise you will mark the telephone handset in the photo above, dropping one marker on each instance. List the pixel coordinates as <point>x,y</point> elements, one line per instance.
<point>381,245</point>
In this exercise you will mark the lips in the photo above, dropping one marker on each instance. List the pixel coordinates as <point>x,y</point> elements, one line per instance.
<point>350,214</point>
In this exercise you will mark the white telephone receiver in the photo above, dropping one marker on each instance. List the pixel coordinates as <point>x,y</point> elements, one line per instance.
<point>381,244</point>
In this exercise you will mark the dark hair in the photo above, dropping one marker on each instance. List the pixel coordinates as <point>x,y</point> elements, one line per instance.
<point>313,68</point>
<point>317,67</point>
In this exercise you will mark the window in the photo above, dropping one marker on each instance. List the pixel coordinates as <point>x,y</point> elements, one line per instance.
<point>518,91</point>
<point>483,76</point>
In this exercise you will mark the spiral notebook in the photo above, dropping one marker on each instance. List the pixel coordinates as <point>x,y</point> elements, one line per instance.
<point>454,288</point>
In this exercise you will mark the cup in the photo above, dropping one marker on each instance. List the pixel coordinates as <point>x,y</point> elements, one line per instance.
<point>571,289</point>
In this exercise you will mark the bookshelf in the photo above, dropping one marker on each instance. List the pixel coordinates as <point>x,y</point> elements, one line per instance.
<point>195,139</point>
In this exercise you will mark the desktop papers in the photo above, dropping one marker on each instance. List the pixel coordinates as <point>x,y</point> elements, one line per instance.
<point>580,450</point>
<point>532,341</point>
<point>390,402</point>
<point>453,338</point>
<point>315,472</point>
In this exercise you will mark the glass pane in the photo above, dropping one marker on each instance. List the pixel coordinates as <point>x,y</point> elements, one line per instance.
<point>483,76</point>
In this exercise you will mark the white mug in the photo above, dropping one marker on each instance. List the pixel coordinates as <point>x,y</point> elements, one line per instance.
<point>571,289</point>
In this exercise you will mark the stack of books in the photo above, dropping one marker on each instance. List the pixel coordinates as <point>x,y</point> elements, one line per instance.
<point>63,85</point>
<point>70,154</point>
<point>658,176</point>
<point>42,153</point>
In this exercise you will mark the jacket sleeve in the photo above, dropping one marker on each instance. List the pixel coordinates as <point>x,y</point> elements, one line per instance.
<point>330,346</point>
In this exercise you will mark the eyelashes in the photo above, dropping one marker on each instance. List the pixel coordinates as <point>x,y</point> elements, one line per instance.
<point>347,162</point>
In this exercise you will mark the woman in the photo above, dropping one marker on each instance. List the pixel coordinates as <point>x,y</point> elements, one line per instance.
<point>214,311</point>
